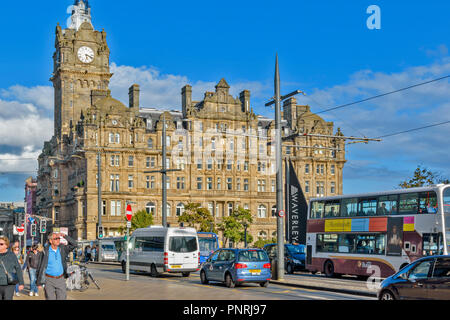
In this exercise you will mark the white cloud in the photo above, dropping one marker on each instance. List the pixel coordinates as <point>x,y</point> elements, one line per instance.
<point>41,96</point>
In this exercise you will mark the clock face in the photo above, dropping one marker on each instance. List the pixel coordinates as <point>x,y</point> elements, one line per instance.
<point>86,54</point>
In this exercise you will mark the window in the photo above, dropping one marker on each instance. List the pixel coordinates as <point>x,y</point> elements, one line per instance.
<point>130,161</point>
<point>238,184</point>
<point>152,182</point>
<point>114,183</point>
<point>262,211</point>
<point>130,182</point>
<point>117,161</point>
<point>320,189</point>
<point>183,244</point>
<point>112,161</point>
<point>213,144</point>
<point>229,165</point>
<point>150,208</point>
<point>180,144</point>
<point>167,183</point>
<point>307,186</point>
<point>230,183</point>
<point>168,209</point>
<point>199,183</point>
<point>320,169</point>
<point>209,164</point>
<point>117,138</point>
<point>273,186</point>
<point>147,162</point>
<point>387,205</point>
<point>262,235</point>
<point>180,183</point>
<point>421,271</point>
<point>152,162</point>
<point>180,209</point>
<point>219,184</point>
<point>333,187</point>
<point>332,208</point>
<point>349,207</point>
<point>274,211</point>
<point>150,244</point>
<point>115,208</point>
<point>408,203</point>
<point>211,208</point>
<point>317,210</point>
<point>427,202</point>
<point>230,209</point>
<point>351,243</point>
<point>150,144</point>
<point>111,137</point>
<point>333,169</point>
<point>238,165</point>
<point>246,166</point>
<point>209,183</point>
<point>103,207</point>
<point>367,206</point>
<point>246,185</point>
<point>306,168</point>
<point>442,268</point>
<point>147,184</point>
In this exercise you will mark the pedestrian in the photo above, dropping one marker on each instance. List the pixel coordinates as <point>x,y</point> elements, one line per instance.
<point>16,251</point>
<point>32,262</point>
<point>8,265</point>
<point>52,269</point>
<point>87,254</point>
<point>93,253</point>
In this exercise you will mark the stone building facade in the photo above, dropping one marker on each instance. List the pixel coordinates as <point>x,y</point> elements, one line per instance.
<point>220,145</point>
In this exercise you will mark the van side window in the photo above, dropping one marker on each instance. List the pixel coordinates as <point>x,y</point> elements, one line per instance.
<point>150,244</point>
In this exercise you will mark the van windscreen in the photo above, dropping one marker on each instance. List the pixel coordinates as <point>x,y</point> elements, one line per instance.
<point>182,244</point>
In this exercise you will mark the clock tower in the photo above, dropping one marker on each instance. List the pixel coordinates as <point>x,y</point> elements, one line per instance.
<point>81,67</point>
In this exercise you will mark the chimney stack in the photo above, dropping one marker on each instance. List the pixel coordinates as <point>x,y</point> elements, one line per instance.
<point>244,96</point>
<point>133,95</point>
<point>186,99</point>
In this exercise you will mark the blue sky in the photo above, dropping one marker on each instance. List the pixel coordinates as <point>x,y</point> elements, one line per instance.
<point>325,49</point>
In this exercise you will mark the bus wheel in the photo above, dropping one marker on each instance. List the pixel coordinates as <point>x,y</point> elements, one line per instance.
<point>329,269</point>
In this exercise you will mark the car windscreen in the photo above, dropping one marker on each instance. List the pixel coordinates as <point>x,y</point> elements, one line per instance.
<point>108,247</point>
<point>182,244</point>
<point>252,256</point>
<point>207,244</point>
<point>295,249</point>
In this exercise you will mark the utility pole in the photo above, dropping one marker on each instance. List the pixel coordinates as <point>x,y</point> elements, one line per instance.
<point>164,171</point>
<point>100,203</point>
<point>279,164</point>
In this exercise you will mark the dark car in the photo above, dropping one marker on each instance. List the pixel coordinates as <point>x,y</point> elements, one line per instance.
<point>236,266</point>
<point>294,256</point>
<point>426,278</point>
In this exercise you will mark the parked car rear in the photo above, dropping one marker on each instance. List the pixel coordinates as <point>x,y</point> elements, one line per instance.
<point>424,279</point>
<point>294,256</point>
<point>237,266</point>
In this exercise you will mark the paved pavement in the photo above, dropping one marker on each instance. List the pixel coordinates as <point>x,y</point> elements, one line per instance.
<point>111,287</point>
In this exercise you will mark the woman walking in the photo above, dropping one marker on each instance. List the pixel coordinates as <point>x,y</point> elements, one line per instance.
<point>8,265</point>
<point>16,251</point>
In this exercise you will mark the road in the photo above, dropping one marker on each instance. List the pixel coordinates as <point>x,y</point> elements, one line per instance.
<point>175,287</point>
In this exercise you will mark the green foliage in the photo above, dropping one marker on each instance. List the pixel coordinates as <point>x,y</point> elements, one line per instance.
<point>423,177</point>
<point>260,243</point>
<point>140,219</point>
<point>197,217</point>
<point>233,226</point>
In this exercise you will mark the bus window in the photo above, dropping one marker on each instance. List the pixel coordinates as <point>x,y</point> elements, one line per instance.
<point>347,243</point>
<point>370,244</point>
<point>408,203</point>
<point>332,208</point>
<point>327,243</point>
<point>317,210</point>
<point>447,216</point>
<point>367,206</point>
<point>428,202</point>
<point>387,205</point>
<point>349,207</point>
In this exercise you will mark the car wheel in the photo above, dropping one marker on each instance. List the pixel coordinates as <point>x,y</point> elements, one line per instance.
<point>203,278</point>
<point>387,295</point>
<point>329,269</point>
<point>289,269</point>
<point>186,274</point>
<point>153,271</point>
<point>264,284</point>
<point>229,281</point>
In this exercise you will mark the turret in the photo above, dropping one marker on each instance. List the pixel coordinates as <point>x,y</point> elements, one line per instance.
<point>81,13</point>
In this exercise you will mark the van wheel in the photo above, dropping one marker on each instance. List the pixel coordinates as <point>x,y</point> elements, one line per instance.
<point>203,278</point>
<point>186,274</point>
<point>124,267</point>
<point>153,271</point>
<point>329,269</point>
<point>229,281</point>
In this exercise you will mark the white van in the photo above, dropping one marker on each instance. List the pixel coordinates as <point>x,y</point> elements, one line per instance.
<point>157,249</point>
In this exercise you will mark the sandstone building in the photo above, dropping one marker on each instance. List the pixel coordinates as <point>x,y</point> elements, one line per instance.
<point>219,143</point>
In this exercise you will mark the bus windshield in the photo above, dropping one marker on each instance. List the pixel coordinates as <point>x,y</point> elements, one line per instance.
<point>207,244</point>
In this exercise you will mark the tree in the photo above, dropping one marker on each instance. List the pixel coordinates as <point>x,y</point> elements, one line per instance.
<point>423,177</point>
<point>233,226</point>
<point>261,243</point>
<point>140,219</point>
<point>197,217</point>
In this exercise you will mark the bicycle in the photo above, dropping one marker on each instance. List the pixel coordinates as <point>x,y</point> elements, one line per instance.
<point>79,277</point>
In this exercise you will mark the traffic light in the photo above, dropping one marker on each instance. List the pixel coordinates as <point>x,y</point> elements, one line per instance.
<point>43,226</point>
<point>33,230</point>
<point>100,232</point>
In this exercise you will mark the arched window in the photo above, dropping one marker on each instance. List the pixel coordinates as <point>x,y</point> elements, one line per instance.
<point>150,208</point>
<point>150,143</point>
<point>262,210</point>
<point>180,209</point>
<point>262,235</point>
<point>274,211</point>
<point>230,209</point>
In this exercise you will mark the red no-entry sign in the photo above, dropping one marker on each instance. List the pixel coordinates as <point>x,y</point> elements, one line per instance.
<point>281,213</point>
<point>129,212</point>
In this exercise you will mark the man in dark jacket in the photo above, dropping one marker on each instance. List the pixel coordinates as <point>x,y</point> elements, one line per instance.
<point>52,269</point>
<point>32,263</point>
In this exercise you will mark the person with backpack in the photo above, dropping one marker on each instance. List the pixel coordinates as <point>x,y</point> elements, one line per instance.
<point>9,270</point>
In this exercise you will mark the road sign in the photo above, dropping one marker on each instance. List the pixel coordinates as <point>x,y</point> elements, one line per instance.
<point>128,224</point>
<point>281,213</point>
<point>21,229</point>
<point>129,212</point>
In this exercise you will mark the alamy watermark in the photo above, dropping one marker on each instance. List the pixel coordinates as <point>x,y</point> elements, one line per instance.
<point>374,20</point>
